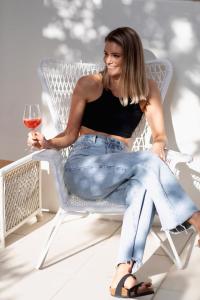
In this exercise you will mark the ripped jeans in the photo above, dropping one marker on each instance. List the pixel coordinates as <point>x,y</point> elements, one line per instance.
<point>101,167</point>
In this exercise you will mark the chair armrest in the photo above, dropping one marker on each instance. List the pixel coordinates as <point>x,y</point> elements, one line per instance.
<point>18,163</point>
<point>55,159</point>
<point>50,155</point>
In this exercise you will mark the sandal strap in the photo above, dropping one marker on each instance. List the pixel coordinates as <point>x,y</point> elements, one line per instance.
<point>121,283</point>
<point>134,289</point>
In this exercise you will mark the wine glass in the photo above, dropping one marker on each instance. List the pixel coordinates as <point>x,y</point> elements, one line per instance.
<point>32,116</point>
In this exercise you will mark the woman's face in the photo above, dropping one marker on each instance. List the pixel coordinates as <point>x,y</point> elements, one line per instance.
<point>113,58</point>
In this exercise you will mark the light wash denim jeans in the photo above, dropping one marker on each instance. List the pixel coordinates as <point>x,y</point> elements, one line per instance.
<point>101,167</point>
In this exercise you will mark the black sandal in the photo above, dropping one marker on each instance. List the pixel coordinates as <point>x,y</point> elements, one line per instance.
<point>121,291</point>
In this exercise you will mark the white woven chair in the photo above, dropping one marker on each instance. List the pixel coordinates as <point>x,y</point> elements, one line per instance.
<point>58,80</point>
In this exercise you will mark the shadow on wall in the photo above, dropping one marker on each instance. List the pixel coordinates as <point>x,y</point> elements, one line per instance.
<point>79,27</point>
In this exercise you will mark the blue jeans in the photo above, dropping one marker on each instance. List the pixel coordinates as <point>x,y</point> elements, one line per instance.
<point>101,167</point>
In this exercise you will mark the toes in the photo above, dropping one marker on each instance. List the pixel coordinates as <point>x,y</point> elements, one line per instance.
<point>148,284</point>
<point>145,286</point>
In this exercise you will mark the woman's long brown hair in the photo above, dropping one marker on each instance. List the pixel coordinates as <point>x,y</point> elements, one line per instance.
<point>133,79</point>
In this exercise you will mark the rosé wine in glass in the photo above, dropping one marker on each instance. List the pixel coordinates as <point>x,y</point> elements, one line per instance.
<point>32,123</point>
<point>32,116</point>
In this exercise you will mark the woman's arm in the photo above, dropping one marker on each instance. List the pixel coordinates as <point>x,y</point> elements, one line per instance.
<point>70,134</point>
<point>155,119</point>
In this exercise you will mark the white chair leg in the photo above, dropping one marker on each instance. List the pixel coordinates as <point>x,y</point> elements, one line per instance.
<point>39,217</point>
<point>174,257</point>
<point>56,224</point>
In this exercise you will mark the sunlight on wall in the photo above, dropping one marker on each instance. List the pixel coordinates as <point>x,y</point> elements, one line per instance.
<point>83,32</point>
<point>149,7</point>
<point>193,76</point>
<point>188,106</point>
<point>68,54</point>
<point>97,3</point>
<point>54,31</point>
<point>184,39</point>
<point>127,2</point>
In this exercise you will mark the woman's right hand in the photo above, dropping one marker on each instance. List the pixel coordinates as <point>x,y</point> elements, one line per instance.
<point>37,140</point>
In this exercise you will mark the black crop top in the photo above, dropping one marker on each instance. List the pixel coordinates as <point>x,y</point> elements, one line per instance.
<point>108,115</point>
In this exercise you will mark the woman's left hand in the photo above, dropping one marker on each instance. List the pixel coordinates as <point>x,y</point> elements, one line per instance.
<point>159,149</point>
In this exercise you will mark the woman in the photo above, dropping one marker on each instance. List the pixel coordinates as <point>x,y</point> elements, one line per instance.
<point>106,108</point>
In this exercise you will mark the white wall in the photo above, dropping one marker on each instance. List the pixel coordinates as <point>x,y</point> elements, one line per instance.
<point>74,30</point>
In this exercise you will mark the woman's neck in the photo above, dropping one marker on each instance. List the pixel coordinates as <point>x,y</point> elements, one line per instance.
<point>115,86</point>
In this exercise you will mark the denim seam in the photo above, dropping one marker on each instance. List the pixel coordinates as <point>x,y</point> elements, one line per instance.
<point>165,194</point>
<point>91,167</point>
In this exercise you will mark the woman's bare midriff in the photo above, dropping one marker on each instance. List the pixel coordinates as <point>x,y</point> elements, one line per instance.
<point>85,130</point>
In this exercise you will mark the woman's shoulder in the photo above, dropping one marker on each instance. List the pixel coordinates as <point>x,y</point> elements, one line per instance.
<point>91,81</point>
<point>88,87</point>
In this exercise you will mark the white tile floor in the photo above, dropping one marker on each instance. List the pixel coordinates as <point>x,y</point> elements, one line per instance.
<point>87,274</point>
